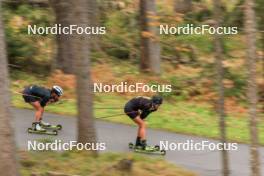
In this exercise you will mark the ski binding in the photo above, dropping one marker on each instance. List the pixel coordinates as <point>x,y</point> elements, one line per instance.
<point>32,130</point>
<point>148,149</point>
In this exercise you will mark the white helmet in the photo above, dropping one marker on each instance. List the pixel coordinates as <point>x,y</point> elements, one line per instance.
<point>58,90</point>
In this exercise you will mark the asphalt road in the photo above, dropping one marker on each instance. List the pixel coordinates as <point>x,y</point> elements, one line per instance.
<point>117,136</point>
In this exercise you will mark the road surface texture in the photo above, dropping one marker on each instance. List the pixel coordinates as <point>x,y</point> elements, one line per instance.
<point>117,136</point>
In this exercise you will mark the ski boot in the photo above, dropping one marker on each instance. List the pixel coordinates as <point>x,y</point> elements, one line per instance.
<point>37,129</point>
<point>142,147</point>
<point>46,125</point>
<point>140,144</point>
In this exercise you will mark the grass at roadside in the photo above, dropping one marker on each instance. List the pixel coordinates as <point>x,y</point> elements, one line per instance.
<point>188,117</point>
<point>83,163</point>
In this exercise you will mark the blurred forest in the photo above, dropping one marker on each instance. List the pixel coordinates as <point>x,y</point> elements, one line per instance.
<point>187,60</point>
<point>211,76</point>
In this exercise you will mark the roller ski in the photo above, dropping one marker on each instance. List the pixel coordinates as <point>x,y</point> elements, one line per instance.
<point>46,125</point>
<point>146,149</point>
<point>37,129</point>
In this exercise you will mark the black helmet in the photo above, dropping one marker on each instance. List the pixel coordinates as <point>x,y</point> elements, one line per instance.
<point>157,100</point>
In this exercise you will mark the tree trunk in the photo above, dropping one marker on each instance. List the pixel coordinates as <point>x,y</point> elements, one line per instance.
<point>64,58</point>
<point>262,42</point>
<point>94,22</point>
<point>261,16</point>
<point>219,57</point>
<point>182,6</point>
<point>250,29</point>
<point>150,48</point>
<point>8,165</point>
<point>81,57</point>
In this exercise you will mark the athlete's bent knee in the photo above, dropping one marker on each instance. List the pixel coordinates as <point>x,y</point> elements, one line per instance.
<point>142,125</point>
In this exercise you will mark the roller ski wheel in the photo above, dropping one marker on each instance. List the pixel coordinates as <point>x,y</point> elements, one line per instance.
<point>157,147</point>
<point>59,127</point>
<point>32,130</point>
<point>131,145</point>
<point>163,152</point>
